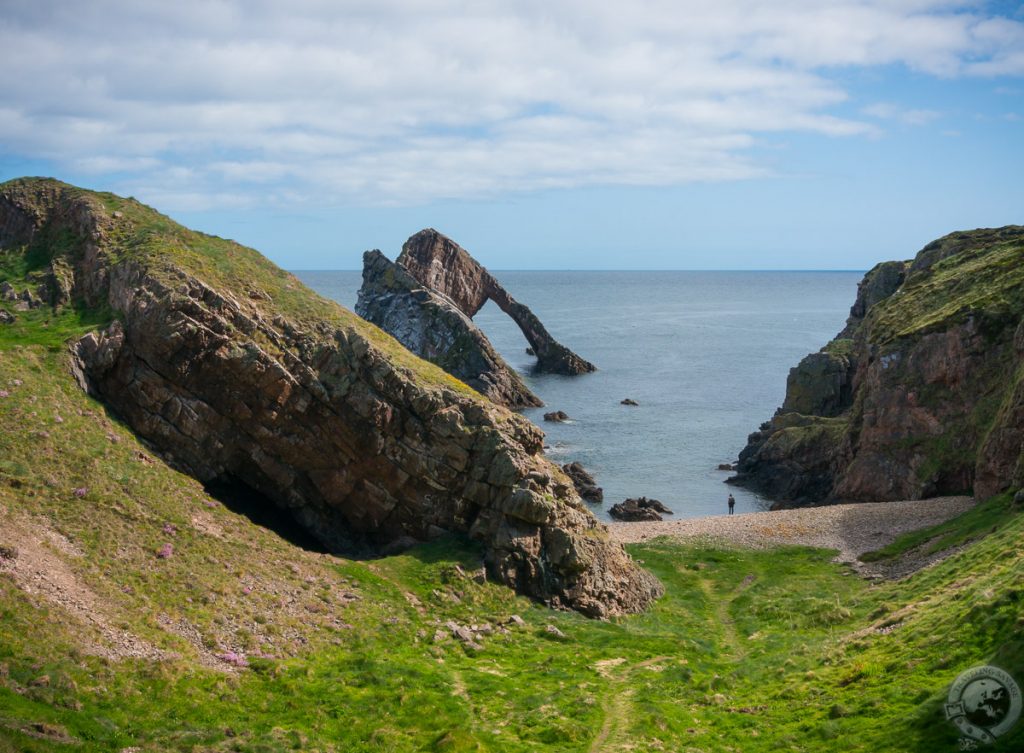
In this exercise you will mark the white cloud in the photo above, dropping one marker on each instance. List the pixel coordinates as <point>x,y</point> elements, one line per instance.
<point>911,117</point>
<point>410,100</point>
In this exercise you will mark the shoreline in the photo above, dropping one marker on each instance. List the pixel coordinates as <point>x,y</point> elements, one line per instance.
<point>852,529</point>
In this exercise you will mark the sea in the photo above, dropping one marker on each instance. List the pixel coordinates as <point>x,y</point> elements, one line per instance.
<point>704,354</point>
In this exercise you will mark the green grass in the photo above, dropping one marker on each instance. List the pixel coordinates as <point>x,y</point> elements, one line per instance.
<point>748,651</point>
<point>986,282</point>
<point>974,524</point>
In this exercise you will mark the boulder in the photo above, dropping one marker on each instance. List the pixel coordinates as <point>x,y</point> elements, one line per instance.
<point>639,509</point>
<point>557,416</point>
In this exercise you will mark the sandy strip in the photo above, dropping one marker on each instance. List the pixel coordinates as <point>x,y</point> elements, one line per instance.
<point>852,529</point>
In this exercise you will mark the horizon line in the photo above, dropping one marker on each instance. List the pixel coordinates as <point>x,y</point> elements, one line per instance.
<point>647,269</point>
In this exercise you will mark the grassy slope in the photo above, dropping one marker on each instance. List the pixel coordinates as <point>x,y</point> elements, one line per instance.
<point>748,651</point>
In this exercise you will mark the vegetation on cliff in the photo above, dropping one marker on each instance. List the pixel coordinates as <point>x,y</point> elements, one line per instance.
<point>926,377</point>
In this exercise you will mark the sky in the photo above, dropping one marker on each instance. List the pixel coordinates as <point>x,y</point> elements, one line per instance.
<point>573,134</point>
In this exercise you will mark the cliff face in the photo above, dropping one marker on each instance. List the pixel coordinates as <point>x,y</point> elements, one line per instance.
<point>921,393</point>
<point>237,373</point>
<point>433,327</point>
<point>445,267</point>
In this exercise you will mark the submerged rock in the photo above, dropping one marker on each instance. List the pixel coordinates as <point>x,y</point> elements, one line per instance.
<point>557,416</point>
<point>639,509</point>
<point>628,401</point>
<point>313,408</point>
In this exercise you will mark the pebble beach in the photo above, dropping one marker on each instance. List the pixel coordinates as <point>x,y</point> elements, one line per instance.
<point>851,529</point>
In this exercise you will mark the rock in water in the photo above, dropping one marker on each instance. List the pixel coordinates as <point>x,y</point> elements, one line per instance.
<point>301,400</point>
<point>921,394</point>
<point>442,265</point>
<point>557,416</point>
<point>432,327</point>
<point>639,509</point>
<point>584,482</point>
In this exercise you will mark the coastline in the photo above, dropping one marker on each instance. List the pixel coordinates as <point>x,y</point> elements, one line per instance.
<point>851,529</point>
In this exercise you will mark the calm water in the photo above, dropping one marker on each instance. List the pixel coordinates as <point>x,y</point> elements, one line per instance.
<point>705,354</point>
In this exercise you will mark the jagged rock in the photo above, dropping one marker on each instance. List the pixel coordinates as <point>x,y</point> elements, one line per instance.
<point>585,484</point>
<point>443,266</point>
<point>727,466</point>
<point>557,416</point>
<point>432,327</point>
<point>640,509</point>
<point>311,407</point>
<point>7,292</point>
<point>6,317</point>
<point>919,395</point>
<point>628,401</point>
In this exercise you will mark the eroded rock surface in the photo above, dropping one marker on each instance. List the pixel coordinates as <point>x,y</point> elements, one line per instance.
<point>310,406</point>
<point>920,395</point>
<point>639,509</point>
<point>444,266</point>
<point>432,326</point>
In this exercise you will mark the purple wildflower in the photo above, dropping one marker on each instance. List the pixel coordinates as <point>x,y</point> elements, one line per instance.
<point>247,590</point>
<point>4,393</point>
<point>81,491</point>
<point>17,382</point>
<point>170,529</point>
<point>234,659</point>
<point>165,551</point>
<point>58,419</point>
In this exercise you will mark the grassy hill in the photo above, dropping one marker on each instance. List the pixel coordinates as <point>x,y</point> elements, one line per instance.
<point>140,613</point>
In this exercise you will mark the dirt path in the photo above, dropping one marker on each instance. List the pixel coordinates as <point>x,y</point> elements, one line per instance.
<point>618,702</point>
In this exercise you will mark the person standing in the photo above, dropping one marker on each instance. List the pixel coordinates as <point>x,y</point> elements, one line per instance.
<point>732,504</point>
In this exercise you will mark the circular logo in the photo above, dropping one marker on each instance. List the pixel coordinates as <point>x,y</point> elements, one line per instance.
<point>984,703</point>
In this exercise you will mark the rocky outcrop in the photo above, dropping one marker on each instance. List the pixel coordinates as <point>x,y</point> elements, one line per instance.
<point>431,326</point>
<point>585,483</point>
<point>920,395</point>
<point>262,383</point>
<point>442,265</point>
<point>638,510</point>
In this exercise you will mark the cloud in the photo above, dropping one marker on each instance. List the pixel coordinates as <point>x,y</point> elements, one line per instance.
<point>400,101</point>
<point>911,117</point>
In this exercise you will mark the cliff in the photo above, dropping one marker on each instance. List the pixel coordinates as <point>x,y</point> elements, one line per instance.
<point>433,327</point>
<point>236,373</point>
<point>921,394</point>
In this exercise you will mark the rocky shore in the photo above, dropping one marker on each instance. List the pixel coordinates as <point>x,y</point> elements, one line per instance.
<point>850,529</point>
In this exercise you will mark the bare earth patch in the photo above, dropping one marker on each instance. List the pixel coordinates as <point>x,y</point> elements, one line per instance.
<point>852,529</point>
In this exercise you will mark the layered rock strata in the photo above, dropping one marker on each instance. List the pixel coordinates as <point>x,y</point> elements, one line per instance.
<point>432,326</point>
<point>442,265</point>
<point>921,394</point>
<point>236,373</point>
